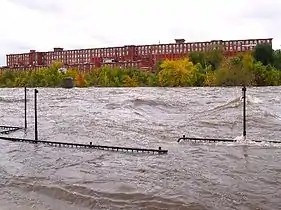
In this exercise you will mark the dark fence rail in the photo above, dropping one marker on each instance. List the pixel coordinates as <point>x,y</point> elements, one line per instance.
<point>90,146</point>
<point>8,129</point>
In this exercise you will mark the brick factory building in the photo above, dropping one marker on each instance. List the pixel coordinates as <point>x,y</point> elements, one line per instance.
<point>139,56</point>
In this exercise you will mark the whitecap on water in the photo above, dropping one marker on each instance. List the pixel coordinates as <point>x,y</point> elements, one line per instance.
<point>252,100</point>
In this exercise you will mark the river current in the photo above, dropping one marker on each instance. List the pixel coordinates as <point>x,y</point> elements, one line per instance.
<point>193,176</point>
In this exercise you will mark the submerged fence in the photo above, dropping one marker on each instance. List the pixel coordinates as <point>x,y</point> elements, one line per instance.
<point>4,129</point>
<point>9,129</point>
<point>195,139</point>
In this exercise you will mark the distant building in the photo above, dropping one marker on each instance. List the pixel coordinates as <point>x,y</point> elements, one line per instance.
<point>139,56</point>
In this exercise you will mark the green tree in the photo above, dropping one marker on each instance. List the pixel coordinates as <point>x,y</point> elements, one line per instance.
<point>264,54</point>
<point>235,72</point>
<point>198,57</point>
<point>215,56</point>
<point>277,59</point>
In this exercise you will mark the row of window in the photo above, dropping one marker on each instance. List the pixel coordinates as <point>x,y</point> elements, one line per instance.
<point>78,56</point>
<point>69,60</point>
<point>142,51</point>
<point>123,51</point>
<point>80,59</point>
<point>153,48</point>
<point>18,56</point>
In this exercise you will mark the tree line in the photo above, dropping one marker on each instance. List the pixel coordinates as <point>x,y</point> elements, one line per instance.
<point>260,67</point>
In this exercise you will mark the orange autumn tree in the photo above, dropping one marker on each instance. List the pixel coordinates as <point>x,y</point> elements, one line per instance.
<point>80,80</point>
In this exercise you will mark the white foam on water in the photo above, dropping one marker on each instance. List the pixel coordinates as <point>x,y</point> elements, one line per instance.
<point>240,139</point>
<point>252,100</point>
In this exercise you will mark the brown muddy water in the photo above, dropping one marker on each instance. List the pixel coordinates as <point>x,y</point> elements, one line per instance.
<point>193,176</point>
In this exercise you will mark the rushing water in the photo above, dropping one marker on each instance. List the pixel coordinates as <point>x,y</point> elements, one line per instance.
<point>193,176</point>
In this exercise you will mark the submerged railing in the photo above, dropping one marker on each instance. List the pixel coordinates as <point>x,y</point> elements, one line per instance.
<point>9,129</point>
<point>195,139</point>
<point>6,129</point>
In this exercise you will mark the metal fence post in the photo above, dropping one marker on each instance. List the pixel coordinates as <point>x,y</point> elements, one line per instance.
<point>244,110</point>
<point>25,108</point>
<point>35,114</point>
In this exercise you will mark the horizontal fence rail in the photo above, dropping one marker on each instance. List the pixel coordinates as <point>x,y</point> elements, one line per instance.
<point>205,139</point>
<point>215,140</point>
<point>90,145</point>
<point>8,129</point>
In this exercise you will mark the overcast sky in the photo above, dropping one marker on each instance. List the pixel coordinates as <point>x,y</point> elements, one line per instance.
<point>44,24</point>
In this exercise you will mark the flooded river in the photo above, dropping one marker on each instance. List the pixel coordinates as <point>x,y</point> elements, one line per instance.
<point>195,176</point>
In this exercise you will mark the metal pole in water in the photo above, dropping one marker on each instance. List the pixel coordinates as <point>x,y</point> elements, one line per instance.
<point>244,111</point>
<point>25,109</point>
<point>35,114</point>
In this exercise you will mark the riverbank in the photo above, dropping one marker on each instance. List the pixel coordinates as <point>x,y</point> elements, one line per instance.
<point>198,69</point>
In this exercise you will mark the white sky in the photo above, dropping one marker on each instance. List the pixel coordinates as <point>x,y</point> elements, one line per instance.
<point>44,24</point>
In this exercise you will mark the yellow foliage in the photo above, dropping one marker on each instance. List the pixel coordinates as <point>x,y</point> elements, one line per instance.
<point>210,79</point>
<point>72,73</point>
<point>56,65</point>
<point>248,62</point>
<point>129,82</point>
<point>177,73</point>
